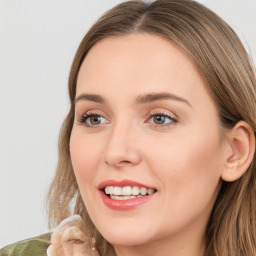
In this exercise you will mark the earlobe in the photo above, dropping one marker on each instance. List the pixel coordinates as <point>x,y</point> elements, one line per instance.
<point>242,145</point>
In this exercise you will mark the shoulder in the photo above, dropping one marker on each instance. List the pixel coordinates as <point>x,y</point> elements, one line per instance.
<point>35,246</point>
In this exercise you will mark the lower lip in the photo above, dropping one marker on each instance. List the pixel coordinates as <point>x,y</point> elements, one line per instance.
<point>125,204</point>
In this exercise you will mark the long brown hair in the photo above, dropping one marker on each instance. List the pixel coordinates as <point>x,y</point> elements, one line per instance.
<point>228,72</point>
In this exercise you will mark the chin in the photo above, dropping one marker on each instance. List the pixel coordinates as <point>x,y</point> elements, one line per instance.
<point>127,240</point>
<point>127,236</point>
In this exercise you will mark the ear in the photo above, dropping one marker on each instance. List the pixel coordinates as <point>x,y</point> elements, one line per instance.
<point>241,141</point>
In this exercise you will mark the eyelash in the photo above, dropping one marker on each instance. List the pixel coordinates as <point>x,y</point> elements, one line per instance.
<point>163,115</point>
<point>82,120</point>
<point>86,116</point>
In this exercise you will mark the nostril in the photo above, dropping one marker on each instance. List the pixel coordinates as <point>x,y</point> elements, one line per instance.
<point>120,163</point>
<point>125,162</point>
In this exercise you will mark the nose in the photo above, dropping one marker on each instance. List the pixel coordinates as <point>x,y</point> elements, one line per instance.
<point>122,147</point>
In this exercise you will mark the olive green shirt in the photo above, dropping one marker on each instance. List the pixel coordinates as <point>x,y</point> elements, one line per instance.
<point>35,246</point>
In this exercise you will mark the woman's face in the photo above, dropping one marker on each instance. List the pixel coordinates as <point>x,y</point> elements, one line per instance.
<point>144,122</point>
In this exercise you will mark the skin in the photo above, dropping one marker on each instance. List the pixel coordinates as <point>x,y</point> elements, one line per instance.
<point>182,159</point>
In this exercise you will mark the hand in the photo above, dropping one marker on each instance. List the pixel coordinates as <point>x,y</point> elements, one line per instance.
<point>71,238</point>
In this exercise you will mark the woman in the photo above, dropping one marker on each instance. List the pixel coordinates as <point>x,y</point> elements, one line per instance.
<point>156,156</point>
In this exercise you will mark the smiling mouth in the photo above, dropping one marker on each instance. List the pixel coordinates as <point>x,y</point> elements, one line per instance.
<point>127,192</point>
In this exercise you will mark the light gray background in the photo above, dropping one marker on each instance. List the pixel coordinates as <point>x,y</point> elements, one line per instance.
<point>38,40</point>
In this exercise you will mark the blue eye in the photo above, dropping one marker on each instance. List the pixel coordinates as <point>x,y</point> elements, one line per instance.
<point>161,119</point>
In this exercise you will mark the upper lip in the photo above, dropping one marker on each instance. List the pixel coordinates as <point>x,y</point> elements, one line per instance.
<point>122,183</point>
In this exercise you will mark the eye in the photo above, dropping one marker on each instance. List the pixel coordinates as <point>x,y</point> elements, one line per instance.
<point>91,120</point>
<point>162,119</point>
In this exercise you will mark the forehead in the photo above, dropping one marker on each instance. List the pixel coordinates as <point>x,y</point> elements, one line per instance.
<point>139,64</point>
<point>137,53</point>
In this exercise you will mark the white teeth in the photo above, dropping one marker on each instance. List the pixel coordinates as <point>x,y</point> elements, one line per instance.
<point>143,191</point>
<point>128,191</point>
<point>135,190</point>
<point>117,191</point>
<point>121,197</point>
<point>109,190</point>
<point>151,191</point>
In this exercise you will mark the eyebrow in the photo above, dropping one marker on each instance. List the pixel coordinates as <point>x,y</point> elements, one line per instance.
<point>160,96</point>
<point>142,99</point>
<point>90,97</point>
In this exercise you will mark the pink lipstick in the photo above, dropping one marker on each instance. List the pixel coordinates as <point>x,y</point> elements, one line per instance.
<point>125,194</point>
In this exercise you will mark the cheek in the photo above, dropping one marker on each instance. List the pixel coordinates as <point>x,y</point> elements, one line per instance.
<point>187,170</point>
<point>187,165</point>
<point>85,156</point>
